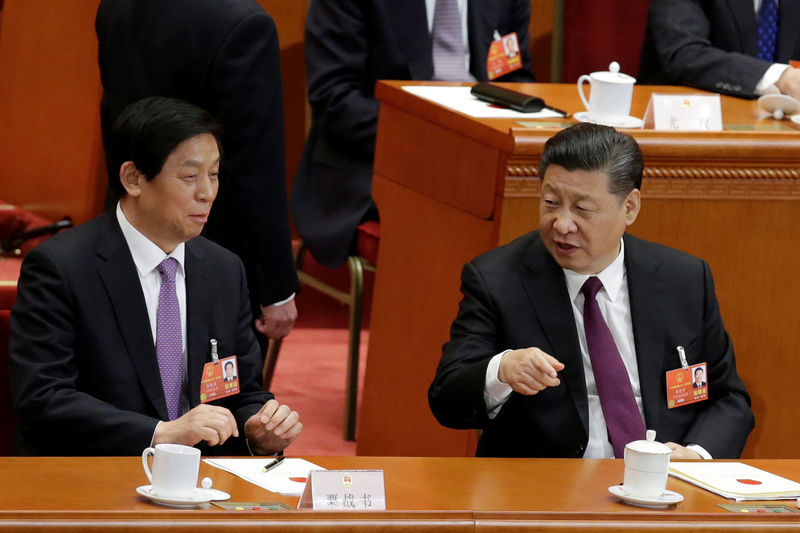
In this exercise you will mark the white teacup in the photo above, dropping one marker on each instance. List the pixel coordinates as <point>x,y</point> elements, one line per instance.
<point>175,469</point>
<point>646,467</point>
<point>610,96</point>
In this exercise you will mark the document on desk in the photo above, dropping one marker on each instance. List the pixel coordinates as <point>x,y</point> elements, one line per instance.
<point>736,481</point>
<point>289,477</point>
<point>460,99</point>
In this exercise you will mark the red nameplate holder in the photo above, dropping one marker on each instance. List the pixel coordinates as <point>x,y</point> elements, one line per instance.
<point>687,384</point>
<point>220,377</point>
<point>504,56</point>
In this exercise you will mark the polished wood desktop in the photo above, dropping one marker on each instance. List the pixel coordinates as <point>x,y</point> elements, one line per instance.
<point>422,493</point>
<point>449,187</point>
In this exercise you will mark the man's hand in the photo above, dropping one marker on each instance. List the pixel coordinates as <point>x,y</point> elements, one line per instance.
<point>529,371</point>
<point>273,428</point>
<point>789,82</point>
<point>208,423</point>
<point>681,452</point>
<point>276,321</point>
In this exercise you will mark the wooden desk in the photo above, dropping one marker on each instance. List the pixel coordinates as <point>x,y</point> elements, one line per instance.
<point>449,494</point>
<point>450,187</point>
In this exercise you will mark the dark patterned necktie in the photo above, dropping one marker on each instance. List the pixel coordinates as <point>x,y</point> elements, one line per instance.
<point>623,420</point>
<point>768,29</point>
<point>169,344</point>
<point>449,62</point>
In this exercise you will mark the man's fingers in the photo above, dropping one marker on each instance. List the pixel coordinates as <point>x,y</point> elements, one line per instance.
<point>292,418</point>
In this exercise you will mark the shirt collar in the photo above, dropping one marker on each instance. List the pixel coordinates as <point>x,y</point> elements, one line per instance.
<point>146,254</point>
<point>611,276</point>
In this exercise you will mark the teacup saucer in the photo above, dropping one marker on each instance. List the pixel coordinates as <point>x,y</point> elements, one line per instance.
<point>626,122</point>
<point>661,502</point>
<point>198,497</point>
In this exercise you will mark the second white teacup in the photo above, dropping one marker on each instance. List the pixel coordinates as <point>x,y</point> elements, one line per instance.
<point>175,468</point>
<point>610,96</point>
<point>646,467</point>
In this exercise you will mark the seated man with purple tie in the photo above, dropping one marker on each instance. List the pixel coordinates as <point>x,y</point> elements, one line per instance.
<point>564,336</point>
<point>112,328</point>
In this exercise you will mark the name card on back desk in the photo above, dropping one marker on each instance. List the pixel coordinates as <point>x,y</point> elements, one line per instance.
<point>344,490</point>
<point>684,112</point>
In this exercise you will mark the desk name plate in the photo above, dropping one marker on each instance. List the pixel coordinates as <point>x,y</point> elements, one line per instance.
<point>684,112</point>
<point>344,490</point>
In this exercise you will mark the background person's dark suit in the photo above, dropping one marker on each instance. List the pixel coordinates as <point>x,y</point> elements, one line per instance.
<point>713,44</point>
<point>223,56</point>
<point>515,297</point>
<point>350,44</point>
<point>84,371</point>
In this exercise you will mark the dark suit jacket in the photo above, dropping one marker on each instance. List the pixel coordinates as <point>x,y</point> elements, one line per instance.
<point>223,56</point>
<point>84,371</point>
<point>712,44</point>
<point>515,297</point>
<point>350,44</point>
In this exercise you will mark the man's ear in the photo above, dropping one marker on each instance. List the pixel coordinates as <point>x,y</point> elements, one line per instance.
<point>131,178</point>
<point>632,205</point>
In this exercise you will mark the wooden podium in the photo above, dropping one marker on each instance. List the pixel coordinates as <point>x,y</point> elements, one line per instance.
<point>449,187</point>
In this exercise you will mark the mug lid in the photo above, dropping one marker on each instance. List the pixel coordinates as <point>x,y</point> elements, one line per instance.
<point>613,75</point>
<point>650,445</point>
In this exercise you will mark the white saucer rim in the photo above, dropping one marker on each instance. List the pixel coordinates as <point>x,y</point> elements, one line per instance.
<point>204,497</point>
<point>653,503</point>
<point>795,118</point>
<point>628,122</point>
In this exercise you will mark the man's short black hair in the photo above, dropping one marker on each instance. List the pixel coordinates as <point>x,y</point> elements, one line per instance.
<point>149,130</point>
<point>592,147</point>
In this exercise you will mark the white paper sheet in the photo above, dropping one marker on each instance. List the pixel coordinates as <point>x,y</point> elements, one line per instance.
<point>459,99</point>
<point>737,481</point>
<point>276,480</point>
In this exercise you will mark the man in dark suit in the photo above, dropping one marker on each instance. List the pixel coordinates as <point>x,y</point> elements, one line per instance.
<point>350,44</point>
<point>223,56</point>
<point>714,45</point>
<point>524,362</point>
<point>699,379</point>
<point>107,349</point>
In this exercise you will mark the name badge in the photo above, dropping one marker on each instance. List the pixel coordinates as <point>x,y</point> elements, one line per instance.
<point>504,56</point>
<point>687,385</point>
<point>344,490</point>
<point>220,379</point>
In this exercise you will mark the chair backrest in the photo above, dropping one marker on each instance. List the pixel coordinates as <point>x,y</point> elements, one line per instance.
<point>596,33</point>
<point>51,157</point>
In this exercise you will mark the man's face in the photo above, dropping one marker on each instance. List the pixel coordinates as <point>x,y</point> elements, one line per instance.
<point>580,221</point>
<point>228,370</point>
<point>698,375</point>
<point>174,206</point>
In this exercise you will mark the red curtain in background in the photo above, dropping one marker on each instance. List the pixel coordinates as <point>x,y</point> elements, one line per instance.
<point>597,32</point>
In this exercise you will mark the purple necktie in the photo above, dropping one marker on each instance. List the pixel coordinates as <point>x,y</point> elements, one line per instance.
<point>169,346</point>
<point>767,29</point>
<point>623,420</point>
<point>449,61</point>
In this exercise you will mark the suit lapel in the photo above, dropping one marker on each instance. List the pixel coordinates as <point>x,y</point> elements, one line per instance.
<point>547,294</point>
<point>789,11</point>
<point>198,307</point>
<point>479,17</point>
<point>747,22</point>
<point>118,274</point>
<point>648,293</point>
<point>410,20</point>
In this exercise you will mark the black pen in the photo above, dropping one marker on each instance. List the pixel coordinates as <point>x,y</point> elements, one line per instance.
<point>275,462</point>
<point>557,110</point>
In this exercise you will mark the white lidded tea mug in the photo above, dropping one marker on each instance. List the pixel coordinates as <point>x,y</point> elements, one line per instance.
<point>175,469</point>
<point>610,96</point>
<point>646,467</point>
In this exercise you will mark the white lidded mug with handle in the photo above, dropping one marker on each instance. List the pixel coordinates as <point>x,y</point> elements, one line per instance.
<point>610,96</point>
<point>175,469</point>
<point>646,467</point>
